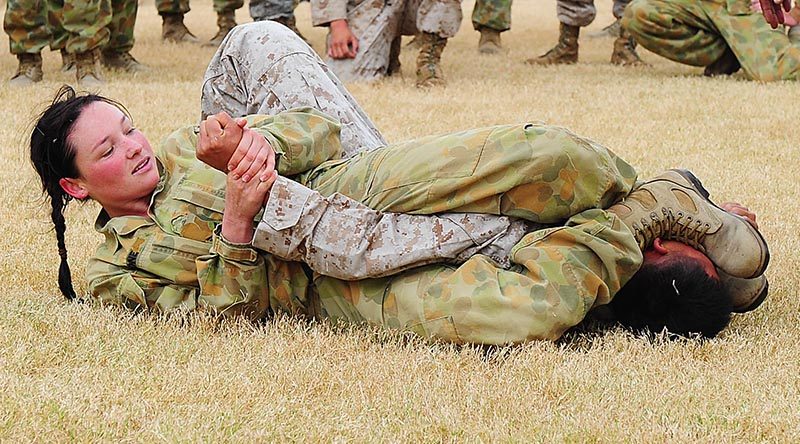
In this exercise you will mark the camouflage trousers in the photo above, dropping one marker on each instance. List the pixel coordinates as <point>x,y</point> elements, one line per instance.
<point>182,6</point>
<point>272,9</point>
<point>544,174</point>
<point>697,33</point>
<point>376,27</point>
<point>493,14</point>
<point>582,12</point>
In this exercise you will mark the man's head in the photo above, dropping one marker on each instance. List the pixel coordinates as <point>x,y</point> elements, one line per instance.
<point>676,288</point>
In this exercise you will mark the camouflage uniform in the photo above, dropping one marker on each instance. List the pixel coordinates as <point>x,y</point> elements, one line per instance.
<point>123,21</point>
<point>576,256</point>
<point>272,9</point>
<point>79,27</point>
<point>25,22</point>
<point>182,6</point>
<point>582,12</point>
<point>698,32</point>
<point>494,14</point>
<point>376,24</point>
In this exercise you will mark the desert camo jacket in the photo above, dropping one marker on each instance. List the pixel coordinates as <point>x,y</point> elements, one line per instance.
<point>177,260</point>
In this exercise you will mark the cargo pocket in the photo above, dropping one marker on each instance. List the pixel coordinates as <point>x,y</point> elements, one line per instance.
<point>442,328</point>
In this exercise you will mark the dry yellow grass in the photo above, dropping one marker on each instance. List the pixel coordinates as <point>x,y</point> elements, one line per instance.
<point>80,373</point>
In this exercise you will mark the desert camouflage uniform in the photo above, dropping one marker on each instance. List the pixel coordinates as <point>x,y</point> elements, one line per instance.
<point>377,23</point>
<point>182,6</point>
<point>178,261</point>
<point>582,12</point>
<point>494,14</point>
<point>25,22</point>
<point>698,32</point>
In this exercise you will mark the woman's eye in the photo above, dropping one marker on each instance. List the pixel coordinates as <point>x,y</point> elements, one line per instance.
<point>130,130</point>
<point>108,151</point>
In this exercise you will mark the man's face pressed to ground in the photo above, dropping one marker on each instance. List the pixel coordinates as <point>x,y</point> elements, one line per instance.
<point>664,251</point>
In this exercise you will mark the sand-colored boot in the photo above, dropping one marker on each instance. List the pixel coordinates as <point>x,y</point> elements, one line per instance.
<point>174,30</point>
<point>290,23</point>
<point>226,20</point>
<point>746,294</point>
<point>565,51</point>
<point>429,60</point>
<point>675,206</point>
<point>29,70</point>
<point>625,51</point>
<point>490,41</point>
<point>123,61</point>
<point>87,69</point>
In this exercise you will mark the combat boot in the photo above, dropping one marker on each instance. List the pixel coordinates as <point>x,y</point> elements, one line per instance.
<point>123,61</point>
<point>675,206</point>
<point>29,70</point>
<point>174,30</point>
<point>746,294</point>
<point>87,69</point>
<point>611,30</point>
<point>625,51</point>
<point>565,51</point>
<point>226,20</point>
<point>490,41</point>
<point>726,65</point>
<point>429,60</point>
<point>290,23</point>
<point>67,61</point>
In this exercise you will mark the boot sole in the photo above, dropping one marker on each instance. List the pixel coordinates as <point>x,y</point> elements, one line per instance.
<point>756,302</point>
<point>698,185</point>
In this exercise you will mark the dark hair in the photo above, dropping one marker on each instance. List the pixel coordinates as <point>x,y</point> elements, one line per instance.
<point>678,296</point>
<point>53,157</point>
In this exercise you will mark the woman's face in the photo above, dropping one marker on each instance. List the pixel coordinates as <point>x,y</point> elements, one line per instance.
<point>115,162</point>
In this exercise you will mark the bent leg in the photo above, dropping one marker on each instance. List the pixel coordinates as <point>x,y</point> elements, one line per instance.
<point>264,68</point>
<point>680,30</point>
<point>561,274</point>
<point>540,173</point>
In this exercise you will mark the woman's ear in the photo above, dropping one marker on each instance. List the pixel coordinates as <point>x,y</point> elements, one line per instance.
<point>74,188</point>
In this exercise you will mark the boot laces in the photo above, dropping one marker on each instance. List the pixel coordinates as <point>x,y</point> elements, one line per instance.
<point>672,225</point>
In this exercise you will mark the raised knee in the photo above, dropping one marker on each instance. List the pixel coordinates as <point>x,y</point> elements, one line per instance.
<point>635,16</point>
<point>271,38</point>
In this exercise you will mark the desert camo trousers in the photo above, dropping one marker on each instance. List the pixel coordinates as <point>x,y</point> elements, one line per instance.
<point>697,33</point>
<point>493,14</point>
<point>582,12</point>
<point>77,26</point>
<point>259,9</point>
<point>545,174</point>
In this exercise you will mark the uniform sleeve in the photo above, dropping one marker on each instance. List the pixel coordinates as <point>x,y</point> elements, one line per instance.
<point>326,11</point>
<point>342,238</point>
<point>303,138</point>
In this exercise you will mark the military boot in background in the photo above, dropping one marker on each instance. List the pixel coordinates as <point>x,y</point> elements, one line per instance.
<point>122,61</point>
<point>67,61</point>
<point>429,60</point>
<point>625,51</point>
<point>29,70</point>
<point>675,206</point>
<point>490,41</point>
<point>174,30</point>
<point>226,20</point>
<point>611,30</point>
<point>565,51</point>
<point>87,69</point>
<point>290,23</point>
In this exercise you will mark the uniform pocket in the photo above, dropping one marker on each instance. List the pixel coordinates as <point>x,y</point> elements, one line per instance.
<point>442,328</point>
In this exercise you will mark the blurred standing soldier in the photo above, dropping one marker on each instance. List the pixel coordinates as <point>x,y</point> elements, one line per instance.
<point>281,11</point>
<point>490,18</point>
<point>116,54</point>
<point>174,30</point>
<point>574,14</point>
<point>364,37</point>
<point>25,22</point>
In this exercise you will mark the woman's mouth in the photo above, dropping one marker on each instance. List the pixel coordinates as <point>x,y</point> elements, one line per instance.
<point>142,166</point>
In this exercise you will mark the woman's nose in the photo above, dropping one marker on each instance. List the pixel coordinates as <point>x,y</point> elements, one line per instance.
<point>133,148</point>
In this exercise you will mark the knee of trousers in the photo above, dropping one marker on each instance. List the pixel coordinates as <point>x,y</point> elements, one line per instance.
<point>635,18</point>
<point>272,40</point>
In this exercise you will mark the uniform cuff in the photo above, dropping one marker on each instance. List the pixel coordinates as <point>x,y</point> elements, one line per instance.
<point>232,251</point>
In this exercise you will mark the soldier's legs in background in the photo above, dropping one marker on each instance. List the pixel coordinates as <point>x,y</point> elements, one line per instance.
<point>25,22</point>
<point>437,21</point>
<point>561,273</point>
<point>492,14</point>
<point>117,53</point>
<point>578,13</point>
<point>540,173</point>
<point>264,68</point>
<point>226,19</point>
<point>281,11</point>
<point>172,27</point>
<point>82,29</point>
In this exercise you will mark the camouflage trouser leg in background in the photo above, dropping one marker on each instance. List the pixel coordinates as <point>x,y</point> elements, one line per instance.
<point>264,68</point>
<point>227,5</point>
<point>123,20</point>
<point>441,17</point>
<point>698,32</point>
<point>494,14</point>
<point>272,9</point>
<point>582,12</point>
<point>544,174</point>
<point>79,26</point>
<point>172,6</point>
<point>25,22</point>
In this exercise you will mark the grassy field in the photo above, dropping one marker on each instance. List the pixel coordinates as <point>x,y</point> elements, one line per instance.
<point>81,373</point>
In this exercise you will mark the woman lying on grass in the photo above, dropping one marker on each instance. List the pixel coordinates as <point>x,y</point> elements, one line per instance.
<point>207,221</point>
